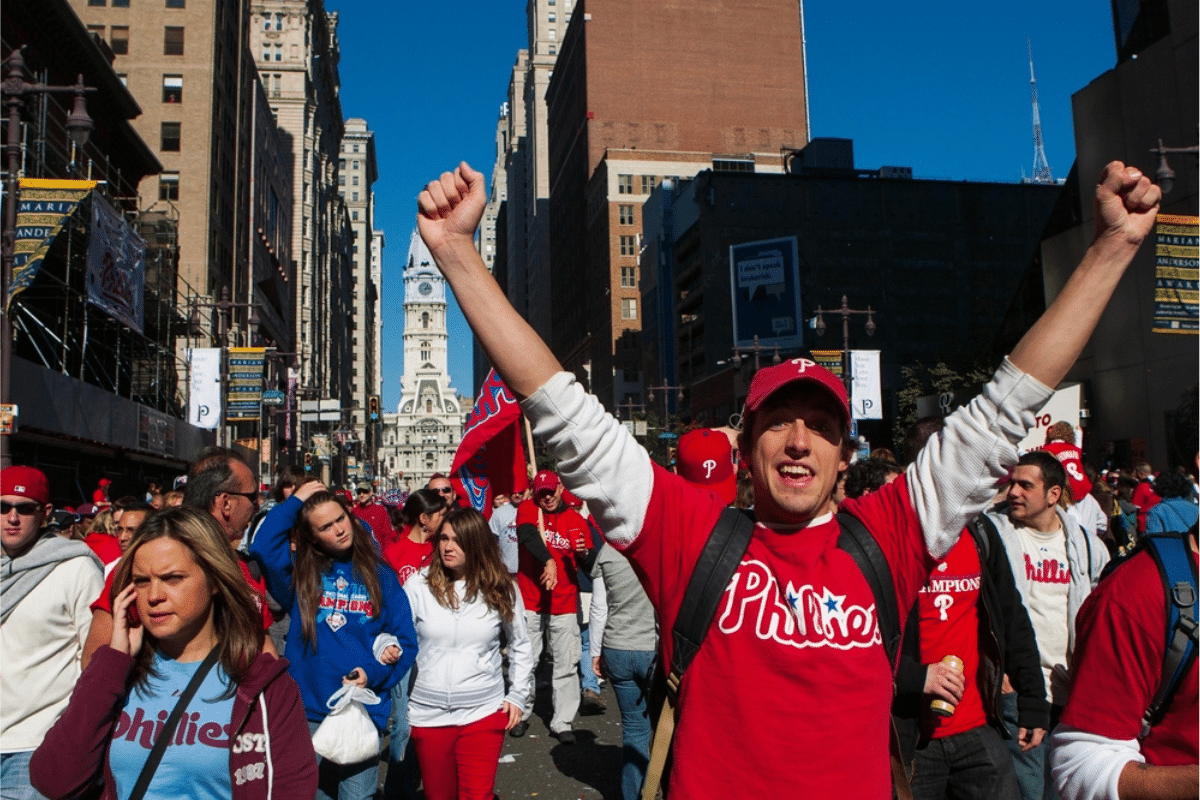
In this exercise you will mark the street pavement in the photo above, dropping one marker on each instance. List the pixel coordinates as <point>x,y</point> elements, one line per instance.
<point>536,765</point>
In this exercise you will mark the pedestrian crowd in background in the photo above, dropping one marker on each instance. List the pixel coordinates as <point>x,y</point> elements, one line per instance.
<point>1009,624</point>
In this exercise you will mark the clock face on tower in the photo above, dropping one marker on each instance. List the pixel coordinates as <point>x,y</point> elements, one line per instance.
<point>424,287</point>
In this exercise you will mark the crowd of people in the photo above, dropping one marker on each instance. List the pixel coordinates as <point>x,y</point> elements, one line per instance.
<point>197,645</point>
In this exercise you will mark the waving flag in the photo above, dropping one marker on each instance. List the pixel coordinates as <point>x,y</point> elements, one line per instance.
<point>490,459</point>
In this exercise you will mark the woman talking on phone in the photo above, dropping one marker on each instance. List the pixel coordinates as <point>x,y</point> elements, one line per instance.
<point>458,709</point>
<point>185,649</point>
<point>350,620</point>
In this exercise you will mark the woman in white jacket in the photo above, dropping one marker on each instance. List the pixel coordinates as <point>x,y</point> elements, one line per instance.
<point>458,708</point>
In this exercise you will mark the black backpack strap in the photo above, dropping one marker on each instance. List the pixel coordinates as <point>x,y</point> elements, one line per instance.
<point>856,540</point>
<point>714,568</point>
<point>1177,569</point>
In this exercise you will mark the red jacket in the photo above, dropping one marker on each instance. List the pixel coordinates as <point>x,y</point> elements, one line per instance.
<point>270,754</point>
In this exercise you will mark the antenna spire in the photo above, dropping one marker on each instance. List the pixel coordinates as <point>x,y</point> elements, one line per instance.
<point>1041,167</point>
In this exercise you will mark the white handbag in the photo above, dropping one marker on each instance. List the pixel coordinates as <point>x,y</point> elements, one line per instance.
<point>347,735</point>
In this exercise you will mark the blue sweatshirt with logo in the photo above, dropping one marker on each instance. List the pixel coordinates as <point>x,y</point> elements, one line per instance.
<point>345,629</point>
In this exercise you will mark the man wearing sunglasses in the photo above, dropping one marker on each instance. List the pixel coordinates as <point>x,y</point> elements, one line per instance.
<point>372,513</point>
<point>442,485</point>
<point>47,584</point>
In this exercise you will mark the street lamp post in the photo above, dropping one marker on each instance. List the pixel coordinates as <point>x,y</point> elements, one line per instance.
<point>224,308</point>
<point>846,311</point>
<point>756,349</point>
<point>665,388</point>
<point>79,127</point>
<point>1165,176</point>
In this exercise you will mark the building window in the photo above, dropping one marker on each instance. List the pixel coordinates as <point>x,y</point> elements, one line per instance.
<point>172,41</point>
<point>552,50</point>
<point>424,319</point>
<point>625,214</point>
<point>168,186</point>
<point>355,181</point>
<point>629,245</point>
<point>341,180</point>
<point>120,3</point>
<point>354,147</point>
<point>172,88</point>
<point>97,2</point>
<point>354,216</point>
<point>170,137</point>
<point>648,184</point>
<point>176,4</point>
<point>425,352</point>
<point>96,30</point>
<point>279,52</point>
<point>354,197</point>
<point>628,308</point>
<point>341,163</point>
<point>279,22</point>
<point>119,40</point>
<point>624,184</point>
<point>733,164</point>
<point>552,18</point>
<point>266,51</point>
<point>628,277</point>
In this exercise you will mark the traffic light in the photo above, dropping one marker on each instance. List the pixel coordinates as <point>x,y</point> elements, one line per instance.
<point>373,407</point>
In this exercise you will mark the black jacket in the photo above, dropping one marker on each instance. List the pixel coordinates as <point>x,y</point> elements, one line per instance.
<point>1008,647</point>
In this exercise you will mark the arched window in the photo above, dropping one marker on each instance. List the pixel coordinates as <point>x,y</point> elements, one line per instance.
<point>425,351</point>
<point>424,319</point>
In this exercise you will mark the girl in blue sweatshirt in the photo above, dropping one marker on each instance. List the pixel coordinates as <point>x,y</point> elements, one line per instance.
<point>350,620</point>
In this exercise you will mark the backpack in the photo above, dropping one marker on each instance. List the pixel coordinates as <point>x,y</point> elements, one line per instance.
<point>1177,568</point>
<point>718,561</point>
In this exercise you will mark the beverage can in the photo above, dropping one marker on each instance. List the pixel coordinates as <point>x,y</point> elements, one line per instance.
<point>943,708</point>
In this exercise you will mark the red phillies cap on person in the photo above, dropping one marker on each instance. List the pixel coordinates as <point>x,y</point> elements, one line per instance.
<point>705,458</point>
<point>771,379</point>
<point>545,481</point>
<point>86,510</point>
<point>25,482</point>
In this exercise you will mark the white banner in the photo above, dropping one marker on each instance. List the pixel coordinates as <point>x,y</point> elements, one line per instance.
<point>865,396</point>
<point>204,395</point>
<point>116,271</point>
<point>1063,406</point>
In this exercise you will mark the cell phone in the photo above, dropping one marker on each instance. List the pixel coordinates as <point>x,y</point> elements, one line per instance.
<point>132,619</point>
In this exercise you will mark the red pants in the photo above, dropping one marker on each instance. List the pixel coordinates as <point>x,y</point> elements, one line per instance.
<point>458,762</point>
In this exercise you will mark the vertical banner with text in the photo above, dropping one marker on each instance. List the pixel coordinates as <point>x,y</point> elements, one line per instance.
<point>1177,251</point>
<point>42,208</point>
<point>116,266</point>
<point>865,395</point>
<point>204,394</point>
<point>245,383</point>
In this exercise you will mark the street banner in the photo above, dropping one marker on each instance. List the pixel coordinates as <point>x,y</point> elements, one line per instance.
<point>1177,247</point>
<point>490,459</point>
<point>116,266</point>
<point>829,359</point>
<point>866,401</point>
<point>42,209</point>
<point>204,393</point>
<point>765,288</point>
<point>245,383</point>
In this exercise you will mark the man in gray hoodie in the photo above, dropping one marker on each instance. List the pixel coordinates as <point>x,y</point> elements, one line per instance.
<point>1055,564</point>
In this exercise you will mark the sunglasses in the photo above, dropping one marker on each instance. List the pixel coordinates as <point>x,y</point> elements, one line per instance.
<point>24,509</point>
<point>251,496</point>
<point>364,491</point>
<point>444,490</point>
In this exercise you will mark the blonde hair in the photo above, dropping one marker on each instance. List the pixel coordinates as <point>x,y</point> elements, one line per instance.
<point>102,522</point>
<point>237,620</point>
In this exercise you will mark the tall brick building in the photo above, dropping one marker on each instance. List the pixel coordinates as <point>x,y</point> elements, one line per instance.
<point>643,91</point>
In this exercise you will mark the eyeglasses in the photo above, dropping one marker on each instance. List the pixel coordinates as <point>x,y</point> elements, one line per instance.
<point>24,509</point>
<point>251,496</point>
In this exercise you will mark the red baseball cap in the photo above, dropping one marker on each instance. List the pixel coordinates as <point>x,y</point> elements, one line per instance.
<point>86,510</point>
<point>705,458</point>
<point>797,370</point>
<point>545,481</point>
<point>25,482</point>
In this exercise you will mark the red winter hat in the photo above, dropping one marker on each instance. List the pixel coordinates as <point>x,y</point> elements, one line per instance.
<point>705,458</point>
<point>25,482</point>
<point>545,481</point>
<point>771,379</point>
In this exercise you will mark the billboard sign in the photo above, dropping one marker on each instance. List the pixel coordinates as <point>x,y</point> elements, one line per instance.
<point>765,289</point>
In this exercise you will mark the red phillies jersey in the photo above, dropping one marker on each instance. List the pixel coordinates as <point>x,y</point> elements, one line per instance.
<point>407,557</point>
<point>1070,457</point>
<point>948,607</point>
<point>1120,641</point>
<point>106,547</point>
<point>563,530</point>
<point>376,516</point>
<point>796,630</point>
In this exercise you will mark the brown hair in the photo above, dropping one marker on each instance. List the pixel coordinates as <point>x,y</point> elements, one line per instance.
<point>237,622</point>
<point>483,571</point>
<point>311,562</point>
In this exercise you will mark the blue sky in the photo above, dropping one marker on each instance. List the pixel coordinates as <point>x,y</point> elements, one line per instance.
<point>945,91</point>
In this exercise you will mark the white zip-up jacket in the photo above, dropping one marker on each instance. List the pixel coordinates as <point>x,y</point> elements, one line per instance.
<point>460,675</point>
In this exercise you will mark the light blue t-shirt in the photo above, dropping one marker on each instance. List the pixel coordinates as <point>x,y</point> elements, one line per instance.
<point>196,762</point>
